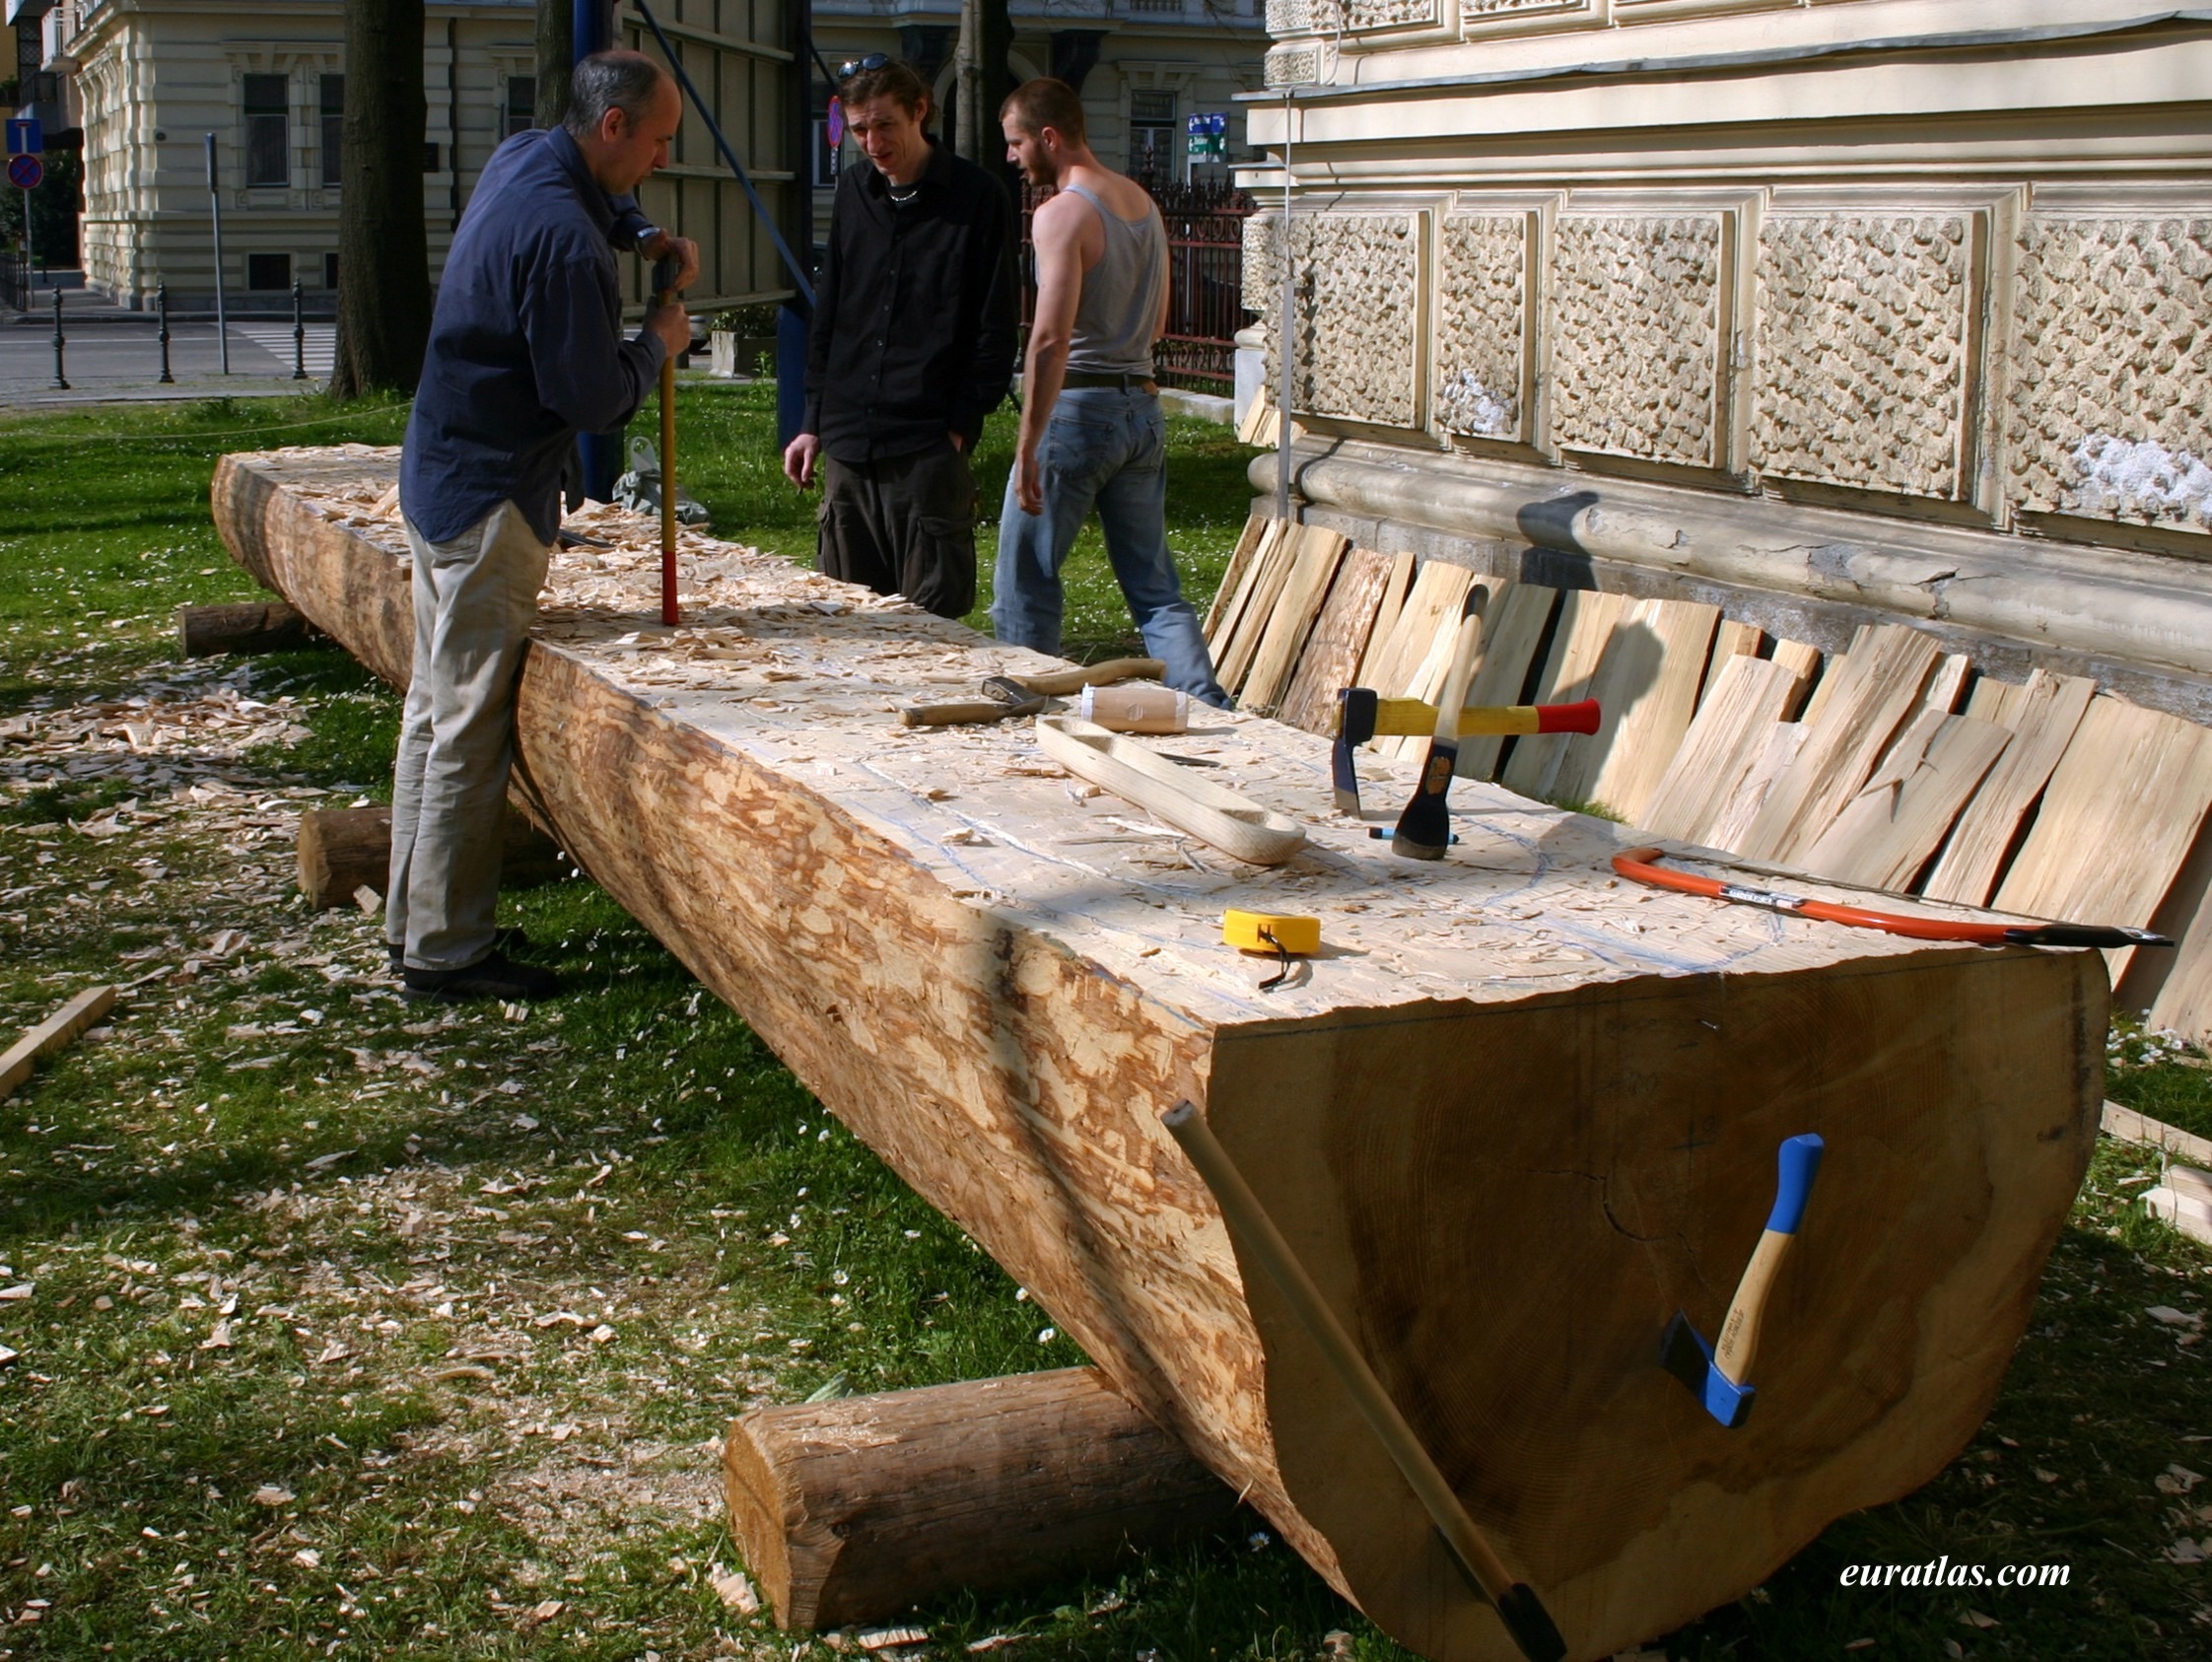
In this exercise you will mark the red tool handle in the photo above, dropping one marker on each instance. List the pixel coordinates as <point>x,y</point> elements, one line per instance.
<point>1582,717</point>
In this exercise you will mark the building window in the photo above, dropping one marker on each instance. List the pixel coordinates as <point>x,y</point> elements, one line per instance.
<point>265,137</point>
<point>1151,136</point>
<point>521,103</point>
<point>330,272</point>
<point>334,128</point>
<point>268,271</point>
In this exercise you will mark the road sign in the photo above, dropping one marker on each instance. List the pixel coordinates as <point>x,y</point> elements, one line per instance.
<point>25,135</point>
<point>836,122</point>
<point>26,172</point>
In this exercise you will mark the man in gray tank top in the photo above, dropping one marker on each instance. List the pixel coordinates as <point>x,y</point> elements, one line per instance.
<point>1091,429</point>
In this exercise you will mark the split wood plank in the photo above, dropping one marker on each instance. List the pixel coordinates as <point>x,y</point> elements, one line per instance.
<point>51,1034</point>
<point>1947,687</point>
<point>2131,1126</point>
<point>1394,592</point>
<point>1340,635</point>
<point>1313,568</point>
<point>1889,831</point>
<point>1439,590</point>
<point>1240,604</point>
<point>2122,812</point>
<point>1730,640</point>
<point>2043,715</point>
<point>2179,990</point>
<point>1586,620</point>
<point>1877,686</point>
<point>1269,572</point>
<point>1426,682</point>
<point>1512,630</point>
<point>1822,689</point>
<point>1723,745</point>
<point>1803,661</point>
<point>1731,824</point>
<point>1256,528</point>
<point>1646,688</point>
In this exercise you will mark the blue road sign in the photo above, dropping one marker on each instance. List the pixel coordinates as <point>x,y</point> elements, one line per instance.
<point>26,172</point>
<point>25,135</point>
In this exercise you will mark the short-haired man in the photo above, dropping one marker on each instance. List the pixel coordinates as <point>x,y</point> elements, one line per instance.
<point>1091,429</point>
<point>916,312</point>
<point>525,352</point>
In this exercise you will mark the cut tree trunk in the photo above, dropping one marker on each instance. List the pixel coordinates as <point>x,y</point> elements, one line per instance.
<point>856,1509</point>
<point>1512,1118</point>
<point>383,250</point>
<point>343,849</point>
<point>254,627</point>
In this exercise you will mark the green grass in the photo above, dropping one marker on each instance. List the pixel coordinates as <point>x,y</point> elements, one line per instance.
<point>500,1277</point>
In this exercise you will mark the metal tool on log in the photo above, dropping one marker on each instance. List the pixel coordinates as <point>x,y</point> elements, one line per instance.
<point>1028,695</point>
<point>1715,1373</point>
<point>1363,714</point>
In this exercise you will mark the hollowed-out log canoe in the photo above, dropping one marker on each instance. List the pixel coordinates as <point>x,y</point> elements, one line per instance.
<point>1513,1116</point>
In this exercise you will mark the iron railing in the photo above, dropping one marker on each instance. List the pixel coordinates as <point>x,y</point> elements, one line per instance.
<point>1206,280</point>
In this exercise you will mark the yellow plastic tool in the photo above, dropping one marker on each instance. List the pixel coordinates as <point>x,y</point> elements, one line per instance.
<point>1297,936</point>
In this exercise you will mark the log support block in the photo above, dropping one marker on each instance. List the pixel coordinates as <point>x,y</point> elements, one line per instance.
<point>343,849</point>
<point>254,627</point>
<point>855,1510</point>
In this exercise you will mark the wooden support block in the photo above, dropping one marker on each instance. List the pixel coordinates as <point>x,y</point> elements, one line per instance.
<point>57,1030</point>
<point>1712,768</point>
<point>343,849</point>
<point>2043,715</point>
<point>257,626</point>
<point>858,1508</point>
<point>1340,635</point>
<point>1887,833</point>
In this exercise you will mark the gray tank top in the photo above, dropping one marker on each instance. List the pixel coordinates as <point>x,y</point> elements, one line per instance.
<point>1121,301</point>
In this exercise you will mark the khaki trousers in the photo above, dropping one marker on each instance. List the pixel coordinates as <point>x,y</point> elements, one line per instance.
<point>475,598</point>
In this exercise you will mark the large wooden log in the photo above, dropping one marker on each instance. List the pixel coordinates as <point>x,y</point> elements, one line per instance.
<point>1513,1116</point>
<point>856,1509</point>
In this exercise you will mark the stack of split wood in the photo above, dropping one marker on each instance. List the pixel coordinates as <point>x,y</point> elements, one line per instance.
<point>1891,765</point>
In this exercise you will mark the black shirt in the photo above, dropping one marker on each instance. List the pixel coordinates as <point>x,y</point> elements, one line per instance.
<point>914,311</point>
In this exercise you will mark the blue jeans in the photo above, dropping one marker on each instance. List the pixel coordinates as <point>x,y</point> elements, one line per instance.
<point>1109,446</point>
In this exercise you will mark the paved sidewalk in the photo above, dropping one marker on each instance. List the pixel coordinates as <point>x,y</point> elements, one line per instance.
<point>123,361</point>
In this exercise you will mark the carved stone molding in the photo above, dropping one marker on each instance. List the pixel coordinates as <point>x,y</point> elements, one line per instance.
<point>1286,18</point>
<point>1637,337</point>
<point>2112,417</point>
<point>1357,310</point>
<point>1485,11</point>
<point>1864,329</point>
<point>1481,326</point>
<point>1291,66</point>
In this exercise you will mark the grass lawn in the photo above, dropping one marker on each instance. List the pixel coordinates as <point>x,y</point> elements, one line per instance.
<point>358,1328</point>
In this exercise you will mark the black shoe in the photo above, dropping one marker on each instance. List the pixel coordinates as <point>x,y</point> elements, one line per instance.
<point>512,940</point>
<point>494,976</point>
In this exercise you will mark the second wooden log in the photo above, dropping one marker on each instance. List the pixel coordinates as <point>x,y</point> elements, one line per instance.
<point>341,850</point>
<point>256,625</point>
<point>858,1508</point>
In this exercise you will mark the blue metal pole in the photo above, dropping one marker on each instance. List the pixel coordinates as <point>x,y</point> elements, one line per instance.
<point>599,454</point>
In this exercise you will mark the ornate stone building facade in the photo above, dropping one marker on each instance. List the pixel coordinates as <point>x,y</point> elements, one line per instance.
<point>1843,308</point>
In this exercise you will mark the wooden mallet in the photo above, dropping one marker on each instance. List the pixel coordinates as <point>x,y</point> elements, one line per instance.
<point>664,294</point>
<point>1715,1373</point>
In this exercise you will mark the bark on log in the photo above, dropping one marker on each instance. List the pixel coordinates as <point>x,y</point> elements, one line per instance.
<point>342,849</point>
<point>253,627</point>
<point>1511,1119</point>
<point>856,1509</point>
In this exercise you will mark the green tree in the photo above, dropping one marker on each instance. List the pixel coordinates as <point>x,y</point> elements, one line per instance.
<point>383,254</point>
<point>54,207</point>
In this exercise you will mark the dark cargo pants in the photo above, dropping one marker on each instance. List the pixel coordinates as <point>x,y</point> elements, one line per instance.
<point>905,526</point>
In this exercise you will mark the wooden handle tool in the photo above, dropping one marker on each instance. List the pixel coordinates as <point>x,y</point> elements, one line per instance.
<point>664,294</point>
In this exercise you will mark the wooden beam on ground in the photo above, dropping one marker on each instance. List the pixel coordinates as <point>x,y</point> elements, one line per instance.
<point>256,625</point>
<point>858,1508</point>
<point>51,1034</point>
<point>344,850</point>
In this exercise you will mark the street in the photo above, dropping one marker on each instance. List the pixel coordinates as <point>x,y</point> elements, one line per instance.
<point>112,359</point>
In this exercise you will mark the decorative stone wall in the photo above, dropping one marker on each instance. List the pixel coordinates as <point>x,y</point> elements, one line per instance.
<point>1636,335</point>
<point>2111,402</point>
<point>1481,326</point>
<point>1357,308</point>
<point>1482,10</point>
<point>1354,17</point>
<point>1863,330</point>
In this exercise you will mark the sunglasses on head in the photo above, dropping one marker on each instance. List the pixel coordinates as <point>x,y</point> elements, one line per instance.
<point>854,66</point>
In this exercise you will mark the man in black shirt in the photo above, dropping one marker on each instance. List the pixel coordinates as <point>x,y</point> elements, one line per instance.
<point>913,344</point>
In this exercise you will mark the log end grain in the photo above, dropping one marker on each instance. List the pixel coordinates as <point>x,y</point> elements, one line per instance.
<point>253,627</point>
<point>344,850</point>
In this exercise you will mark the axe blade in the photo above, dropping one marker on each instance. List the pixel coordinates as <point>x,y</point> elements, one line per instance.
<point>1355,724</point>
<point>1684,1352</point>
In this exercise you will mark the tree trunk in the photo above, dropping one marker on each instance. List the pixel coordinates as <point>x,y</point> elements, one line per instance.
<point>993,81</point>
<point>384,253</point>
<point>556,52</point>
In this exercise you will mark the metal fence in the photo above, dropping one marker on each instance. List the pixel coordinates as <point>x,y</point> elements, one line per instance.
<point>14,279</point>
<point>1206,280</point>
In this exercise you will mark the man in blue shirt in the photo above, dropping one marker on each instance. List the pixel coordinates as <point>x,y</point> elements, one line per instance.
<point>526,351</point>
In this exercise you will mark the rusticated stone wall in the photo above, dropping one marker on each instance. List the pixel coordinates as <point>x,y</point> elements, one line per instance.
<point>2112,386</point>
<point>1635,336</point>
<point>1862,354</point>
<point>1357,308</point>
<point>1481,327</point>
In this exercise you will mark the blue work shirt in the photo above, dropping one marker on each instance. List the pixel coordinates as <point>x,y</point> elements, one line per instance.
<point>525,344</point>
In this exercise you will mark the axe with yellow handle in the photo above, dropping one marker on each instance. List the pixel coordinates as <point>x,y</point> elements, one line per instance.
<point>1362,714</point>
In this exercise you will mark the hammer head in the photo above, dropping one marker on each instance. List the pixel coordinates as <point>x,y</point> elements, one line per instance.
<point>1355,724</point>
<point>1685,1354</point>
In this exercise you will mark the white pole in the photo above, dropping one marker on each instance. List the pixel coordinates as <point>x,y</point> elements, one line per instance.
<point>967,81</point>
<point>214,207</point>
<point>1284,333</point>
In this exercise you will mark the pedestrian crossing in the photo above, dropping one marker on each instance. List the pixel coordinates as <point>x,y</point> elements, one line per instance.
<point>318,350</point>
